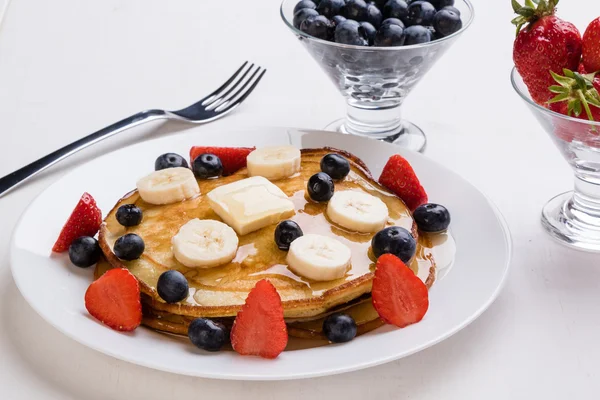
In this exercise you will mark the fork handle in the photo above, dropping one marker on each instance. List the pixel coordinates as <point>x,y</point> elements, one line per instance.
<point>19,176</point>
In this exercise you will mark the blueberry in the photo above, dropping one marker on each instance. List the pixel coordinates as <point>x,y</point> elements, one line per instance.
<point>335,165</point>
<point>350,32</point>
<point>374,16</point>
<point>392,21</point>
<point>339,328</point>
<point>396,9</point>
<point>446,22</point>
<point>129,215</point>
<point>355,9</point>
<point>84,251</point>
<point>329,8</point>
<point>453,9</point>
<point>320,187</point>
<point>420,13</point>
<point>336,20</point>
<point>370,32</point>
<point>432,218</point>
<point>317,26</point>
<point>129,247</point>
<point>172,286</point>
<point>170,160</point>
<point>207,334</point>
<point>395,240</point>
<point>417,34</point>
<point>207,166</point>
<point>302,14</point>
<point>390,35</point>
<point>285,233</point>
<point>304,4</point>
<point>439,4</point>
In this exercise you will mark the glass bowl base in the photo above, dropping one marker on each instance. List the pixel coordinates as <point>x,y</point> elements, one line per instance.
<point>560,222</point>
<point>410,136</point>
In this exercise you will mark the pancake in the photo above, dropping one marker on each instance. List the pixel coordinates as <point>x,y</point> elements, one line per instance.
<point>220,291</point>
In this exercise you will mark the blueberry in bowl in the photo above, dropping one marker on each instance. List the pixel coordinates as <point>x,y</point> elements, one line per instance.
<point>374,15</point>
<point>303,14</point>
<point>317,26</point>
<point>304,4</point>
<point>420,13</point>
<point>447,21</point>
<point>392,21</point>
<point>355,9</point>
<point>351,32</point>
<point>396,9</point>
<point>417,34</point>
<point>390,35</point>
<point>330,8</point>
<point>369,31</point>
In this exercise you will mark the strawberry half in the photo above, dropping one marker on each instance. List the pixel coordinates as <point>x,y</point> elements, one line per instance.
<point>400,178</point>
<point>233,158</point>
<point>399,296</point>
<point>114,299</point>
<point>85,220</point>
<point>259,328</point>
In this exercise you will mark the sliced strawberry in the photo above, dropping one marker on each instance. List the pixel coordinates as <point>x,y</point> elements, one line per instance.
<point>85,220</point>
<point>259,328</point>
<point>233,158</point>
<point>400,178</point>
<point>114,299</point>
<point>399,296</point>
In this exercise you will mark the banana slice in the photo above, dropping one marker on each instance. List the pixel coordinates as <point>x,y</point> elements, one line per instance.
<point>168,186</point>
<point>357,211</point>
<point>274,162</point>
<point>319,257</point>
<point>204,244</point>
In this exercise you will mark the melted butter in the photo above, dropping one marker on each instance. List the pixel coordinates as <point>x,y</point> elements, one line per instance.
<point>258,256</point>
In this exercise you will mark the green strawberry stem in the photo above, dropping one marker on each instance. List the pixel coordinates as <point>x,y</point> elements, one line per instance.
<point>532,11</point>
<point>578,91</point>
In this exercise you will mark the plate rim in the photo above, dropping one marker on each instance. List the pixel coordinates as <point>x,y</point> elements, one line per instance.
<point>508,247</point>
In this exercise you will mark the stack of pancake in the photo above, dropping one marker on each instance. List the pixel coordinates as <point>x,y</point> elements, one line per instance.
<point>219,292</point>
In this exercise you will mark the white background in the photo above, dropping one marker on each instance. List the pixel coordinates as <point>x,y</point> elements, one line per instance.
<point>69,67</point>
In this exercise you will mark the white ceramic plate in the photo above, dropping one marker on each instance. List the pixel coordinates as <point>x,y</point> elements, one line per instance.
<point>55,288</point>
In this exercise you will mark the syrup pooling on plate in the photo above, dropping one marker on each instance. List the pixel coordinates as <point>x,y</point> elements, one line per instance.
<point>257,256</point>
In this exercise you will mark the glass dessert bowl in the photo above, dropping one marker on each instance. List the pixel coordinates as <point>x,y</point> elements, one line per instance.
<point>573,218</point>
<point>375,81</point>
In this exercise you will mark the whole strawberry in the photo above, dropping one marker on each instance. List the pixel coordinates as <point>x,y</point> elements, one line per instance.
<point>591,46</point>
<point>544,43</point>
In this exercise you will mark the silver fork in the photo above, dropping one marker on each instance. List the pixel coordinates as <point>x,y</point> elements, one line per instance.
<point>214,106</point>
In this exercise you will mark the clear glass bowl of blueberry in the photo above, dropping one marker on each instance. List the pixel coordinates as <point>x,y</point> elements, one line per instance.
<point>375,52</point>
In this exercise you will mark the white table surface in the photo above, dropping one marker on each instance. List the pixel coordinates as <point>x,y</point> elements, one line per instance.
<point>69,67</point>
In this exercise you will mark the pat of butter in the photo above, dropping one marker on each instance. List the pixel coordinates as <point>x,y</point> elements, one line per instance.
<point>250,204</point>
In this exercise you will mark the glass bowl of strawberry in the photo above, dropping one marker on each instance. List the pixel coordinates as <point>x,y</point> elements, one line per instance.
<point>573,217</point>
<point>554,75</point>
<point>375,52</point>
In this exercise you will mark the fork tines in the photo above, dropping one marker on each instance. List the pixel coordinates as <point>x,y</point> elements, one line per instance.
<point>236,89</point>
